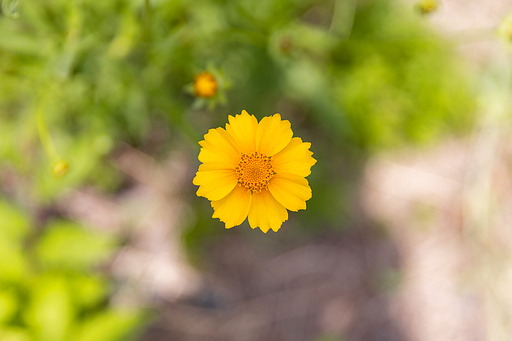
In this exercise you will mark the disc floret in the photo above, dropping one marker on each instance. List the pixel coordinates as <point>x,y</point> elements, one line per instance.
<point>254,171</point>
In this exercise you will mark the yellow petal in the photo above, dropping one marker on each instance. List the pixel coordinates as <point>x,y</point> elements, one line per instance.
<point>233,209</point>
<point>295,158</point>
<point>243,130</point>
<point>214,184</point>
<point>273,135</point>
<point>219,147</point>
<point>266,213</point>
<point>290,190</point>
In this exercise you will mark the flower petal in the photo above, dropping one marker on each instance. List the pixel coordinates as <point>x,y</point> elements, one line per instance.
<point>214,184</point>
<point>243,130</point>
<point>219,146</point>
<point>295,158</point>
<point>266,213</point>
<point>273,135</point>
<point>290,190</point>
<point>233,209</point>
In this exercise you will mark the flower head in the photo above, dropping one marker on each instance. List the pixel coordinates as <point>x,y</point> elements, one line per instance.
<point>427,6</point>
<point>254,170</point>
<point>60,169</point>
<point>205,85</point>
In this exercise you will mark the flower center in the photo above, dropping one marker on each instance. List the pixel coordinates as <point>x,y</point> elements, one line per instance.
<point>254,171</point>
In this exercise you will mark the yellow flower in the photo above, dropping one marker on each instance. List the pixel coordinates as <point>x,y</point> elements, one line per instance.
<point>60,169</point>
<point>427,6</point>
<point>254,170</point>
<point>205,85</point>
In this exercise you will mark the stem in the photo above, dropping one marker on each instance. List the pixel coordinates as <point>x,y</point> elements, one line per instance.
<point>44,135</point>
<point>343,18</point>
<point>147,17</point>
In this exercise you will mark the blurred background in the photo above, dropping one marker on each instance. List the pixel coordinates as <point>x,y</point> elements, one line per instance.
<point>407,107</point>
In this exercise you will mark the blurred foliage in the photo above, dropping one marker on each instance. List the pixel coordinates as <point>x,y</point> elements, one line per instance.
<point>505,30</point>
<point>49,288</point>
<point>353,78</point>
<point>82,75</point>
<point>77,77</point>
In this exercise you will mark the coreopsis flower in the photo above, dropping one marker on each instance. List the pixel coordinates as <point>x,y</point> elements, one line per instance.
<point>60,168</point>
<point>254,170</point>
<point>427,6</point>
<point>208,87</point>
<point>205,85</point>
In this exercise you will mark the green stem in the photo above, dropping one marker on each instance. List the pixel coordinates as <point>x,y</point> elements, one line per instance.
<point>44,135</point>
<point>147,18</point>
<point>146,7</point>
<point>343,18</point>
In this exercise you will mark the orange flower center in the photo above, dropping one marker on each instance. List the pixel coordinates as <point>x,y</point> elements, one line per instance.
<point>205,85</point>
<point>254,171</point>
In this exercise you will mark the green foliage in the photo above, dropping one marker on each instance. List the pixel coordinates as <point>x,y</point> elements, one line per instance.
<point>79,77</point>
<point>14,223</point>
<point>49,312</point>
<point>8,305</point>
<point>52,290</point>
<point>399,84</point>
<point>109,325</point>
<point>96,72</point>
<point>88,249</point>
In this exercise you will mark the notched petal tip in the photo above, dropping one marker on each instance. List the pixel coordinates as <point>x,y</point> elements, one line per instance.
<point>244,114</point>
<point>266,212</point>
<point>234,208</point>
<point>273,135</point>
<point>242,128</point>
<point>214,184</point>
<point>276,228</point>
<point>291,191</point>
<point>195,181</point>
<point>295,158</point>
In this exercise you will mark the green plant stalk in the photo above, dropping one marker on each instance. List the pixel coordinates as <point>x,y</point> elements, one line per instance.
<point>147,19</point>
<point>44,135</point>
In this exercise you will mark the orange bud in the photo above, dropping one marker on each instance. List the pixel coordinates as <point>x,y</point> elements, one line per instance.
<point>205,85</point>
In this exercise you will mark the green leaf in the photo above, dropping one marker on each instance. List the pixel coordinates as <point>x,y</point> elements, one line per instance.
<point>68,245</point>
<point>8,305</point>
<point>14,223</point>
<point>88,291</point>
<point>14,334</point>
<point>14,266</point>
<point>111,325</point>
<point>9,8</point>
<point>50,312</point>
